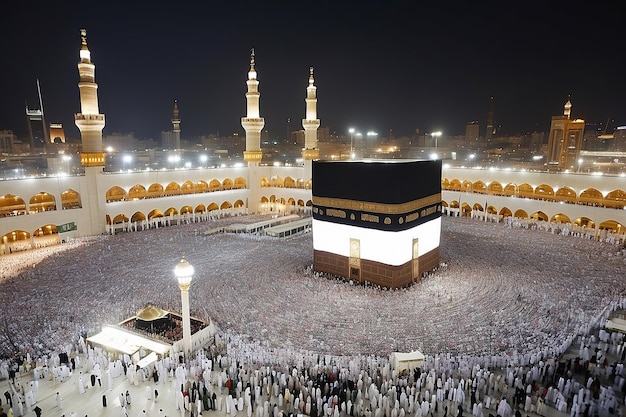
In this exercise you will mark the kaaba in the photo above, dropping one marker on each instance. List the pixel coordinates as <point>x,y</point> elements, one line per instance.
<point>376,222</point>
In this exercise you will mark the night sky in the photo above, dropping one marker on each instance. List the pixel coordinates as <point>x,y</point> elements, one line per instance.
<point>397,65</point>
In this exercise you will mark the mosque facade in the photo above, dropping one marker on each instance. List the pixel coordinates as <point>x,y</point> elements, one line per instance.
<point>37,212</point>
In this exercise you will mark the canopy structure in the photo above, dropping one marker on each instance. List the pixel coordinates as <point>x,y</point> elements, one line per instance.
<point>151,358</point>
<point>407,361</point>
<point>123,341</point>
<point>617,321</point>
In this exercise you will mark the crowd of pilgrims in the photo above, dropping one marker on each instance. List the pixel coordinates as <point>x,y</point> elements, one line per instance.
<point>234,376</point>
<point>495,302</point>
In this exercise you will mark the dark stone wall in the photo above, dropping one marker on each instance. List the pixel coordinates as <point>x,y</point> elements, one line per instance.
<point>387,276</point>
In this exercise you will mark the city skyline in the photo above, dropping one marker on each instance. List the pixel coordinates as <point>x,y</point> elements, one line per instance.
<point>378,67</point>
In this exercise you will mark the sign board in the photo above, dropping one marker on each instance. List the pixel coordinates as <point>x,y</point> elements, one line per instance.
<point>67,227</point>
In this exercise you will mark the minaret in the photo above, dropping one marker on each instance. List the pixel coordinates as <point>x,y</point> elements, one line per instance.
<point>89,121</point>
<point>310,124</point>
<point>252,123</point>
<point>176,125</point>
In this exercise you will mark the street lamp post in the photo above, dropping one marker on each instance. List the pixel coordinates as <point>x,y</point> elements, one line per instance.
<point>371,135</point>
<point>351,130</point>
<point>436,135</point>
<point>126,159</point>
<point>359,136</point>
<point>67,158</point>
<point>183,272</point>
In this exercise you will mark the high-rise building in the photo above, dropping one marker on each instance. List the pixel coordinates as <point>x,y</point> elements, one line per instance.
<point>490,123</point>
<point>176,125</point>
<point>7,141</point>
<point>472,132</point>
<point>36,121</point>
<point>57,134</point>
<point>565,139</point>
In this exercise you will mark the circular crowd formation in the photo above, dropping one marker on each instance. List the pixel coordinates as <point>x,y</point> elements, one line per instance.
<point>500,291</point>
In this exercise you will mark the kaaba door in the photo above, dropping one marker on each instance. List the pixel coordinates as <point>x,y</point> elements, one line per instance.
<point>416,261</point>
<point>355,260</point>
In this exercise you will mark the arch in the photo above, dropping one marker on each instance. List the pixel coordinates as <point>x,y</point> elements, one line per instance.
<point>613,226</point>
<point>70,199</point>
<point>157,213</point>
<point>300,203</point>
<point>585,222</point>
<point>289,182</point>
<point>17,240</point>
<point>187,187</point>
<point>466,210</point>
<point>41,202</point>
<point>238,203</point>
<point>277,181</point>
<point>477,207</point>
<point>526,190</point>
<point>212,206</point>
<point>309,203</point>
<point>108,219</point>
<point>227,184</point>
<point>45,236</point>
<point>225,205</point>
<point>120,218</point>
<point>590,197</point>
<point>492,210</point>
<point>565,194</point>
<point>11,205</point>
<point>240,182</point>
<point>172,189</point>
<point>544,192</point>
<point>539,216</point>
<point>479,187</point>
<point>455,185</point>
<point>199,209</point>
<point>291,201</point>
<point>138,217</point>
<point>186,210</point>
<point>466,186</point>
<point>520,214</point>
<point>154,190</point>
<point>505,212</point>
<point>307,184</point>
<point>137,192</point>
<point>495,188</point>
<point>46,230</point>
<point>615,199</point>
<point>169,212</point>
<point>560,218</point>
<point>510,190</point>
<point>454,204</point>
<point>115,193</point>
<point>445,184</point>
<point>16,235</point>
<point>215,185</point>
<point>272,198</point>
<point>265,182</point>
<point>264,199</point>
<point>202,187</point>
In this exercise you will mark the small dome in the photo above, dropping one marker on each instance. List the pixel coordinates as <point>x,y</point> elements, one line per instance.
<point>150,312</point>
